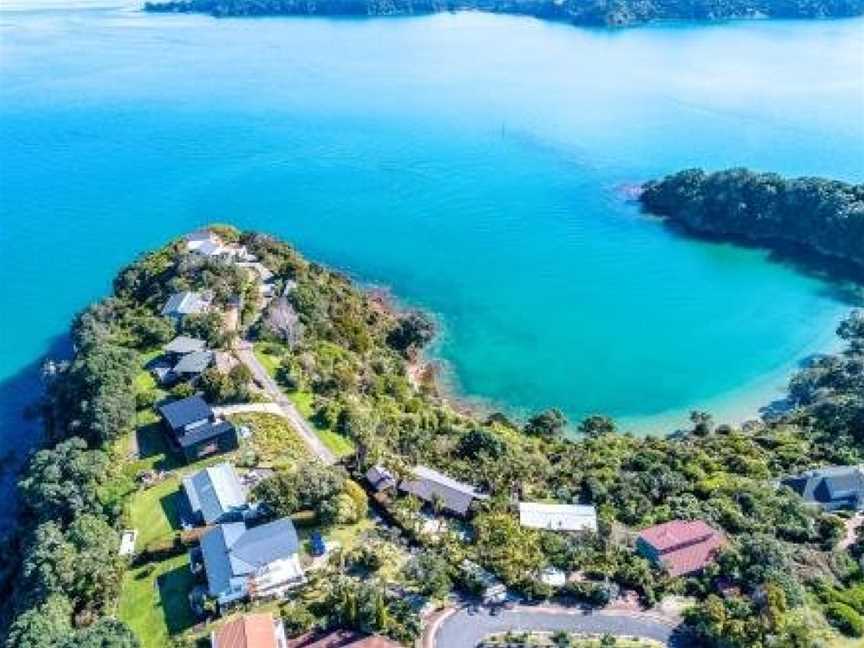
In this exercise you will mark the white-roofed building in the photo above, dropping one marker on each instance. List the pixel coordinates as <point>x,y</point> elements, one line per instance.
<point>557,517</point>
<point>553,577</point>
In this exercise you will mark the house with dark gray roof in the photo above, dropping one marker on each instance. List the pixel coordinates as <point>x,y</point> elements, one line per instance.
<point>195,429</point>
<point>439,490</point>
<point>831,488</point>
<point>251,563</point>
<point>380,479</point>
<point>184,358</point>
<point>215,494</point>
<point>185,303</point>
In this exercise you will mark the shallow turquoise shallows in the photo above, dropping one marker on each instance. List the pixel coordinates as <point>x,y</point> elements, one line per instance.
<point>472,163</point>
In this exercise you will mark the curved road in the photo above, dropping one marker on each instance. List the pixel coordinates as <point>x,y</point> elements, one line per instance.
<point>464,630</point>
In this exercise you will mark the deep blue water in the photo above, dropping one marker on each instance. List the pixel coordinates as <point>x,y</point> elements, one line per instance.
<point>470,162</point>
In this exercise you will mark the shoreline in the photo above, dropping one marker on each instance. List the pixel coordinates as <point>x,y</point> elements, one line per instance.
<point>761,397</point>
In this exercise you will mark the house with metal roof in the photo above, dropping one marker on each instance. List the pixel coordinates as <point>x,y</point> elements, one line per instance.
<point>250,563</point>
<point>183,344</point>
<point>831,488</point>
<point>195,239</point>
<point>259,630</point>
<point>682,547</point>
<point>557,517</point>
<point>192,365</point>
<point>185,303</point>
<point>380,479</point>
<point>192,426</point>
<point>439,490</point>
<point>215,494</point>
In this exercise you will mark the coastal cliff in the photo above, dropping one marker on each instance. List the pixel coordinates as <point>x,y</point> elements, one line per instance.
<point>598,13</point>
<point>813,215</point>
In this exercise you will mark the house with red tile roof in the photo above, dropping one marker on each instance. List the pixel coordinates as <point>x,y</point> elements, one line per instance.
<point>250,631</point>
<point>682,547</point>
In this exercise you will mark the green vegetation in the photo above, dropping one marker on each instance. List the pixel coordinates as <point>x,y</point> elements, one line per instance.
<point>271,356</point>
<point>274,443</point>
<point>580,12</point>
<point>564,640</point>
<point>821,217</point>
<point>155,603</point>
<point>154,512</point>
<point>342,356</point>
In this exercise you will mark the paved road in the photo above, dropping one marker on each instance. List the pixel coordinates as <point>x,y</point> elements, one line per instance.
<point>289,411</point>
<point>464,630</point>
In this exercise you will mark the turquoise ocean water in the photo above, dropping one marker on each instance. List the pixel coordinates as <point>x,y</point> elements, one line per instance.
<point>470,162</point>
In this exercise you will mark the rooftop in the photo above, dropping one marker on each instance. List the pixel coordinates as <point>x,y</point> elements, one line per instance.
<point>676,533</point>
<point>203,432</point>
<point>831,484</point>
<point>214,491</point>
<point>194,363</point>
<point>180,413</point>
<point>185,303</point>
<point>557,517</point>
<point>231,550</point>
<point>248,631</point>
<point>184,344</point>
<point>429,484</point>
<point>380,478</point>
<point>683,547</point>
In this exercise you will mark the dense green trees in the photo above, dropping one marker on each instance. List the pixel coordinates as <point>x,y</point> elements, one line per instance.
<point>80,563</point>
<point>315,487</point>
<point>43,626</point>
<point>580,12</point>
<point>232,386</point>
<point>822,217</point>
<point>62,482</point>
<point>431,573</point>
<point>413,331</point>
<point>548,424</point>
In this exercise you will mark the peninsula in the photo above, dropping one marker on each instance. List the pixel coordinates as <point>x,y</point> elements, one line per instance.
<point>591,13</point>
<point>240,444</point>
<point>811,215</point>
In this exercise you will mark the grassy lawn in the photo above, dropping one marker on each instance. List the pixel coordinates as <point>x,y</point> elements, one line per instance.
<point>269,361</point>
<point>347,535</point>
<point>154,601</point>
<point>337,444</point>
<point>155,511</point>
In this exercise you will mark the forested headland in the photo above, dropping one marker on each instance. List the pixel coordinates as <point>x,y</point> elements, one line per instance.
<point>813,216</point>
<point>593,13</point>
<point>783,580</point>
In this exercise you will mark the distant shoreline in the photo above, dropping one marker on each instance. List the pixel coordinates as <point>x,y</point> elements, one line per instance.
<point>624,13</point>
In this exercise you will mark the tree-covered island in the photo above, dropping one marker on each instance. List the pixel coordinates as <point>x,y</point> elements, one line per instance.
<point>592,13</point>
<point>810,215</point>
<point>398,500</point>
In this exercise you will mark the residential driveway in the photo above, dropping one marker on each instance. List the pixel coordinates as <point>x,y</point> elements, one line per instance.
<point>464,630</point>
<point>285,406</point>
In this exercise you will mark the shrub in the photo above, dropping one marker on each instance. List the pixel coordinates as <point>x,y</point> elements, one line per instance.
<point>845,619</point>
